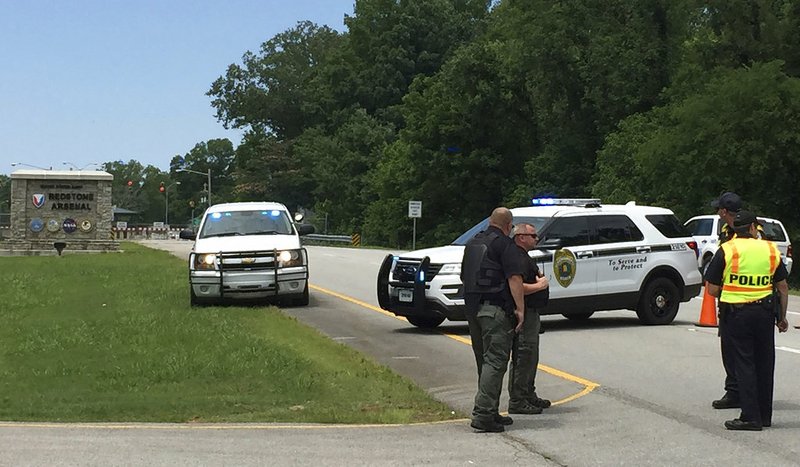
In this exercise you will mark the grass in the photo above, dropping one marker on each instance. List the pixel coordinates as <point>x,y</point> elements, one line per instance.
<point>111,337</point>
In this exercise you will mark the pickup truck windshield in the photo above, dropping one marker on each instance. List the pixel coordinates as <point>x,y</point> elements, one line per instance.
<point>234,223</point>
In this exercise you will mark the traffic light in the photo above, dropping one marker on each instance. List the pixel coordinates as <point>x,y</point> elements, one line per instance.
<point>161,188</point>
<point>130,183</point>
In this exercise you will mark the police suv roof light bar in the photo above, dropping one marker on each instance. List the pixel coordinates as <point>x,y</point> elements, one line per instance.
<point>565,201</point>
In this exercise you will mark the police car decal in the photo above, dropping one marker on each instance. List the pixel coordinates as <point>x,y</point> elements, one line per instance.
<point>564,267</point>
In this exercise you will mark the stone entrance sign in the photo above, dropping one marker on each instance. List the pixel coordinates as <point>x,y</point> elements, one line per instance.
<point>60,206</point>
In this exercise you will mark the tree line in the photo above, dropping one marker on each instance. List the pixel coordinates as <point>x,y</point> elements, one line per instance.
<point>469,104</point>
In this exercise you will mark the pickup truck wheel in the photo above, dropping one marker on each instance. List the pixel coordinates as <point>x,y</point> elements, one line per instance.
<point>579,316</point>
<point>194,300</point>
<point>659,302</point>
<point>426,322</point>
<point>303,299</point>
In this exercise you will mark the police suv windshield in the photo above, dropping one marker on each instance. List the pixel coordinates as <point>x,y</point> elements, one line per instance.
<point>233,223</point>
<point>537,222</point>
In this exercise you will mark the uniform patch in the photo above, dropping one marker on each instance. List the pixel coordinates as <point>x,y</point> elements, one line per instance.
<point>564,267</point>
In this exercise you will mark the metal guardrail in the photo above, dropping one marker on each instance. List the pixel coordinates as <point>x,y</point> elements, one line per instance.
<point>328,238</point>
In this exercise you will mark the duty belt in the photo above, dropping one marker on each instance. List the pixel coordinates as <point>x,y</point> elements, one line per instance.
<point>499,303</point>
<point>761,301</point>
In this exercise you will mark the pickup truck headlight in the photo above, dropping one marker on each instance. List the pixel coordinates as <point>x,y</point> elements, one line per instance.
<point>290,258</point>
<point>205,261</point>
<point>451,268</point>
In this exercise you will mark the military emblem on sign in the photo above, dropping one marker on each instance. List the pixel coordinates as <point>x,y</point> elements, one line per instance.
<point>86,226</point>
<point>36,225</point>
<point>38,200</point>
<point>564,267</point>
<point>53,226</point>
<point>69,225</point>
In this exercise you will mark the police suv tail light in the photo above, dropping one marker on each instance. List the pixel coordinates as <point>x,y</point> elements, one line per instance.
<point>789,251</point>
<point>693,246</point>
<point>205,262</point>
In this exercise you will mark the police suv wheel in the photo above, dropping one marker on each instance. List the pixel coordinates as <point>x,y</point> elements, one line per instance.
<point>659,302</point>
<point>425,322</point>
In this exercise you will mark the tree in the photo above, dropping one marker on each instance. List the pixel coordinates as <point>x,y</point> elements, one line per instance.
<point>269,91</point>
<point>737,133</point>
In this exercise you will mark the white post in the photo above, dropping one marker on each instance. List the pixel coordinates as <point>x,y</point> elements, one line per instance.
<point>414,235</point>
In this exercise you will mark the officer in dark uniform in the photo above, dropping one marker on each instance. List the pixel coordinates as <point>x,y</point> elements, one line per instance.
<point>727,205</point>
<point>742,274</point>
<point>525,349</point>
<point>494,307</point>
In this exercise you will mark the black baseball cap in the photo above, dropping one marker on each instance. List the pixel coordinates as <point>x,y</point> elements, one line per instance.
<point>744,219</point>
<point>728,200</point>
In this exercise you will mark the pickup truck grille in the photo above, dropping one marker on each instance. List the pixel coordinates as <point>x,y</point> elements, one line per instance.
<point>405,270</point>
<point>248,261</point>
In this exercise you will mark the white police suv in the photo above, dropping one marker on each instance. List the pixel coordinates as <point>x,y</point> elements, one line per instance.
<point>248,251</point>
<point>706,229</point>
<point>597,257</point>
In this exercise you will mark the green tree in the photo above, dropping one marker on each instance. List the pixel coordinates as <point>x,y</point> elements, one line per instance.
<point>269,91</point>
<point>738,133</point>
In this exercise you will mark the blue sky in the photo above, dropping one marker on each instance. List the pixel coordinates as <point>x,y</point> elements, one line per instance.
<point>89,81</point>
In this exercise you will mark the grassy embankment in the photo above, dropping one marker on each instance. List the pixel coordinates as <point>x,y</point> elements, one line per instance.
<point>112,338</point>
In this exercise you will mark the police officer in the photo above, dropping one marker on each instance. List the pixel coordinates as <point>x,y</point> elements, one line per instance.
<point>742,274</point>
<point>494,306</point>
<point>727,205</point>
<point>525,349</point>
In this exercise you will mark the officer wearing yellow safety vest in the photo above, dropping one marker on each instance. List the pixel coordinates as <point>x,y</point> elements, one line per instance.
<point>742,274</point>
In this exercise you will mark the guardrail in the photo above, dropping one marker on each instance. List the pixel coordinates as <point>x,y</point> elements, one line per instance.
<point>328,238</point>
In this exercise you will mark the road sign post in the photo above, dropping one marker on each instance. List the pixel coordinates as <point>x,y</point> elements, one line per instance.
<point>414,212</point>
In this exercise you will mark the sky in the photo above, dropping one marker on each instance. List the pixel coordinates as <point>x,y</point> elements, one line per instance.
<point>92,81</point>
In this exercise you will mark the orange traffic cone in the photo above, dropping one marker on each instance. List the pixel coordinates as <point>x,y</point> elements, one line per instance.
<point>708,311</point>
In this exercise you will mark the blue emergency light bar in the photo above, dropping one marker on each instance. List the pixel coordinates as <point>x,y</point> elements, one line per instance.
<point>564,201</point>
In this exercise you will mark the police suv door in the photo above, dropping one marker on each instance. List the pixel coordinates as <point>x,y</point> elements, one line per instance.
<point>622,253</point>
<point>570,276</point>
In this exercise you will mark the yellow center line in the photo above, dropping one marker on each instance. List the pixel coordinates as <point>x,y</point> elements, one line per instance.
<point>588,386</point>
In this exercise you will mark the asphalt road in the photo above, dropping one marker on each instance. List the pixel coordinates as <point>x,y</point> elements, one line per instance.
<point>624,394</point>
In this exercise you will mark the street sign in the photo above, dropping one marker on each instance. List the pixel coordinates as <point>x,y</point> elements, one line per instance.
<point>122,225</point>
<point>415,209</point>
<point>158,225</point>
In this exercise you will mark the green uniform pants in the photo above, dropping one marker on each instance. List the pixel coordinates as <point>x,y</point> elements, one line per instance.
<point>497,332</point>
<point>524,360</point>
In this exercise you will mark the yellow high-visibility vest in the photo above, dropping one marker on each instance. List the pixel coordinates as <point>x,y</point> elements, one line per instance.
<point>749,266</point>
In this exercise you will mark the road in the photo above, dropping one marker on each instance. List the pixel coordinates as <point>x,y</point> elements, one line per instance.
<point>624,394</point>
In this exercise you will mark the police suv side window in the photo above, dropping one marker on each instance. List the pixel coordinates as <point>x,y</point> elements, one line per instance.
<point>572,231</point>
<point>614,229</point>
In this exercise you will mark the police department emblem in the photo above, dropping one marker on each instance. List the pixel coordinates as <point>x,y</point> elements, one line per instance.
<point>53,226</point>
<point>69,225</point>
<point>38,200</point>
<point>564,267</point>
<point>86,226</point>
<point>36,225</point>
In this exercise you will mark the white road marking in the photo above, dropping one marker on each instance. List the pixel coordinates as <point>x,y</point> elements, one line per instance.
<point>405,358</point>
<point>713,331</point>
<point>344,338</point>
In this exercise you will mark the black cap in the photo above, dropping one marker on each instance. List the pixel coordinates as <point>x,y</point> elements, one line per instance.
<point>728,200</point>
<point>743,220</point>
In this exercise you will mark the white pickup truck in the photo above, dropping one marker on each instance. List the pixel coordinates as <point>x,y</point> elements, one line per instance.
<point>248,251</point>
